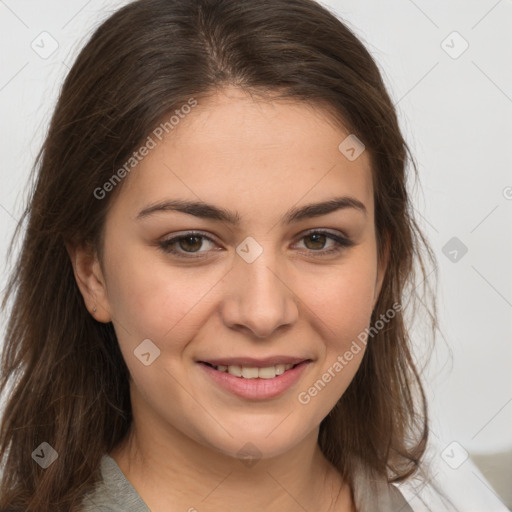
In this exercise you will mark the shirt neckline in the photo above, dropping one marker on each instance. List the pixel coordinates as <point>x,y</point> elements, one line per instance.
<point>369,493</point>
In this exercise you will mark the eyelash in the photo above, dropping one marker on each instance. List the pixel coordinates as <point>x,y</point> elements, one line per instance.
<point>341,244</point>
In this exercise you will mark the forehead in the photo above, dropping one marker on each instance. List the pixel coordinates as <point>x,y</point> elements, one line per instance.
<point>258,154</point>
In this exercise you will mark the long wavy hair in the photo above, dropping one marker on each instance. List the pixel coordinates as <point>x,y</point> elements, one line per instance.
<point>63,377</point>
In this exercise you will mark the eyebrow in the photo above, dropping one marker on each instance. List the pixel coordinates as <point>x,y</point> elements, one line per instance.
<point>295,214</point>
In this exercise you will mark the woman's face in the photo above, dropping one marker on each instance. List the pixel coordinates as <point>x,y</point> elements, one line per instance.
<point>256,292</point>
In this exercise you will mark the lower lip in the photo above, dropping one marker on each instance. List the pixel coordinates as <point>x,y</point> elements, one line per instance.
<point>256,389</point>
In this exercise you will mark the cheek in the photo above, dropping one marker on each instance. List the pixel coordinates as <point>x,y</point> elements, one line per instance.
<point>342,305</point>
<point>343,300</point>
<point>151,299</point>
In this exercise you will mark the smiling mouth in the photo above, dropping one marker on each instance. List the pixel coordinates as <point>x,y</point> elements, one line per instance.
<point>248,372</point>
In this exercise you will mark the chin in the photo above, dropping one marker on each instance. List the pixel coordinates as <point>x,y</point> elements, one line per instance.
<point>263,441</point>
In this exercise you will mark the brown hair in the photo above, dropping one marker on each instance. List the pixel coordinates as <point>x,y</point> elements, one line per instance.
<point>68,378</point>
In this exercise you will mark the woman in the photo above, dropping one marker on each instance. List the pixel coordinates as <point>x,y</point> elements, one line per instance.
<point>208,308</point>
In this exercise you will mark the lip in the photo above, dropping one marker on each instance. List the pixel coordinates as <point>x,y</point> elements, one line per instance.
<point>251,362</point>
<point>256,389</point>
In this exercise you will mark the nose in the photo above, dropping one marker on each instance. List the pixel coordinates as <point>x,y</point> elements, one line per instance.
<point>259,297</point>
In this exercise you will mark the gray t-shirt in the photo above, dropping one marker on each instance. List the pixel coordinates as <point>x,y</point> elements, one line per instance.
<point>116,494</point>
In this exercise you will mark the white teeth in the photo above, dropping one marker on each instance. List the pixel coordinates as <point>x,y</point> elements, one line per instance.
<point>267,373</point>
<point>235,370</point>
<point>248,372</point>
<point>281,368</point>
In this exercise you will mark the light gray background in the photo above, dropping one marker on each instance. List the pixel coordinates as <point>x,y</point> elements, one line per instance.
<point>456,112</point>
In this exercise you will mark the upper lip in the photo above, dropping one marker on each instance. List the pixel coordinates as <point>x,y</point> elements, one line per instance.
<point>252,362</point>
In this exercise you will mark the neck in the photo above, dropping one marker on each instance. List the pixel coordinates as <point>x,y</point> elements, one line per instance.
<point>171,471</point>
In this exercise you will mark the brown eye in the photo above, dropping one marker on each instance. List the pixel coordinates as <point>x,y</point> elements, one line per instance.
<point>318,241</point>
<point>315,242</point>
<point>186,246</point>
<point>190,243</point>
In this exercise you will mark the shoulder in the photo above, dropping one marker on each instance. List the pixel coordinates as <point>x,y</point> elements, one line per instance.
<point>114,493</point>
<point>444,489</point>
<point>373,492</point>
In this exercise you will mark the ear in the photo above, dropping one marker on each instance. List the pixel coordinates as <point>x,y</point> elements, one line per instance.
<point>90,280</point>
<point>381,270</point>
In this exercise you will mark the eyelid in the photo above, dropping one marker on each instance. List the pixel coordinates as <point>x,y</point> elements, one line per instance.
<point>324,231</point>
<point>192,232</point>
<point>341,240</point>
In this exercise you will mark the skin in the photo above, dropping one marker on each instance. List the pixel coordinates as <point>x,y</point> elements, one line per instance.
<point>259,158</point>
